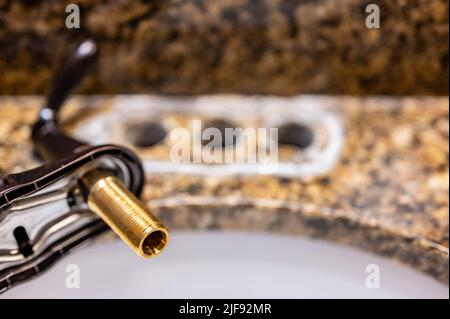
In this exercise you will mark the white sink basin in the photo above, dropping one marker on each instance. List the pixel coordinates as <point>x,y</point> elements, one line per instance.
<point>229,265</point>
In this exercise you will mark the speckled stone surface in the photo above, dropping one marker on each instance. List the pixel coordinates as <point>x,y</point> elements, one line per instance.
<point>240,46</point>
<point>387,194</point>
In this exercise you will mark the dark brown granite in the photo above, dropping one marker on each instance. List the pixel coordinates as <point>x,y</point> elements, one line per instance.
<point>241,46</point>
<point>387,194</point>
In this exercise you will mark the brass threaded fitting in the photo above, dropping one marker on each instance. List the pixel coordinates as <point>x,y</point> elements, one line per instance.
<point>125,214</point>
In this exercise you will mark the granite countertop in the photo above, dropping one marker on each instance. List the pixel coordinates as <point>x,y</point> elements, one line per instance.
<point>280,47</point>
<point>388,192</point>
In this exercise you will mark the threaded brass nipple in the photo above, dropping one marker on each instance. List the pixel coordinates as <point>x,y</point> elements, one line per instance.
<point>125,214</point>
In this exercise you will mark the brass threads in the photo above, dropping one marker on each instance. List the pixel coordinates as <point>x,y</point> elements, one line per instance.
<point>125,214</point>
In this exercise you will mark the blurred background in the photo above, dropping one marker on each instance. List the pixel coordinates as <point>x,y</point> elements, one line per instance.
<point>281,47</point>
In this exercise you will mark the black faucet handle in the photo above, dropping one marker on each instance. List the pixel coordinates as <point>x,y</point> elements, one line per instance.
<point>71,74</point>
<point>49,142</point>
